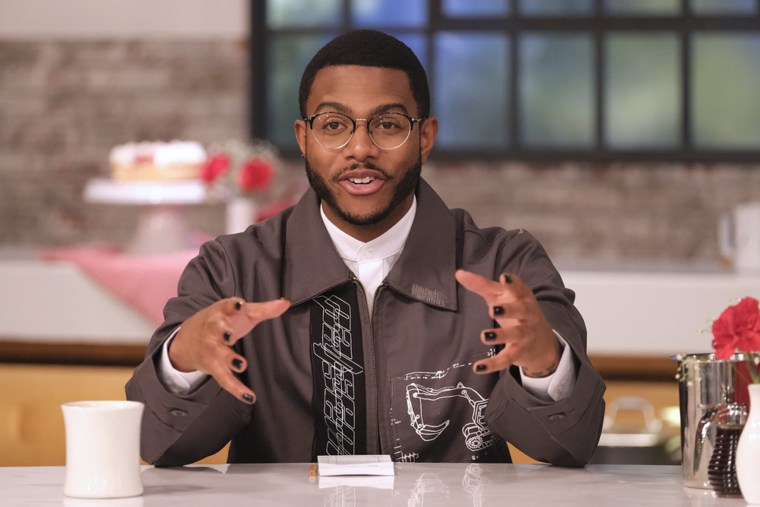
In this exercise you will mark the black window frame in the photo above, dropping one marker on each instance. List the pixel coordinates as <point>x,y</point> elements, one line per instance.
<point>597,25</point>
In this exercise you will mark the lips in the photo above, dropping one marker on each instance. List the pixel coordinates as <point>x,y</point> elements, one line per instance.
<point>362,181</point>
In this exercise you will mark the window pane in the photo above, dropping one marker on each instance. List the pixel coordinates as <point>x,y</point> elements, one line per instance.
<point>725,99</point>
<point>367,13</point>
<point>724,6</point>
<point>556,7</point>
<point>470,9</point>
<point>299,13</point>
<point>417,43</point>
<point>642,99</point>
<point>643,7</point>
<point>556,91</point>
<point>470,89</point>
<point>288,56</point>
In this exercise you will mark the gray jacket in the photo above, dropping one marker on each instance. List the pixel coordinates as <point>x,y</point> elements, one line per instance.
<point>422,400</point>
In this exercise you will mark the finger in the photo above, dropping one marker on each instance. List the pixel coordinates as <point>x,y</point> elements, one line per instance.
<point>493,336</point>
<point>230,383</point>
<point>252,314</point>
<point>258,312</point>
<point>480,285</point>
<point>514,284</point>
<point>500,361</point>
<point>502,335</point>
<point>238,364</point>
<point>224,369</point>
<point>511,312</point>
<point>232,306</point>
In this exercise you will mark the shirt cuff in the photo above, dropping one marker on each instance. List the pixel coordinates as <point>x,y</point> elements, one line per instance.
<point>178,382</point>
<point>559,384</point>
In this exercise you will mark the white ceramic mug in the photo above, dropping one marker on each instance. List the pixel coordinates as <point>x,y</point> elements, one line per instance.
<point>102,449</point>
<point>739,237</point>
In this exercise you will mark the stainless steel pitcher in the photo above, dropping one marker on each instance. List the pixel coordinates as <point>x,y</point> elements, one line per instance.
<point>705,384</point>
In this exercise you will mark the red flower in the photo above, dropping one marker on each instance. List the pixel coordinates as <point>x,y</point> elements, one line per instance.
<point>737,328</point>
<point>255,175</point>
<point>215,166</point>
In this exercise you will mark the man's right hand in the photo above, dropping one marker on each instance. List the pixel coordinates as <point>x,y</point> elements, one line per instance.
<point>204,342</point>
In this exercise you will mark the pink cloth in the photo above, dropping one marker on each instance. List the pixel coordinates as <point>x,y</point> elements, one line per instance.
<point>144,282</point>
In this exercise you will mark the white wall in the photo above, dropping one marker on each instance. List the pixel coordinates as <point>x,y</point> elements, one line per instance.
<point>93,19</point>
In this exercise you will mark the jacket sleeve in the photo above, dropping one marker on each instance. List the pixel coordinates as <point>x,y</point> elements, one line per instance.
<point>177,430</point>
<point>564,432</point>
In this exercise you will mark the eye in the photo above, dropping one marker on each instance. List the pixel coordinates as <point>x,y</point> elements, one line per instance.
<point>388,123</point>
<point>333,124</point>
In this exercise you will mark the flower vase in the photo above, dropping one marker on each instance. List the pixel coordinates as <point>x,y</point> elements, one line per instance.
<point>748,450</point>
<point>241,212</point>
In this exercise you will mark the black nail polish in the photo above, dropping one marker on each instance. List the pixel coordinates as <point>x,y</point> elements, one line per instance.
<point>247,398</point>
<point>498,310</point>
<point>238,305</point>
<point>227,335</point>
<point>507,278</point>
<point>490,336</point>
<point>481,367</point>
<point>237,363</point>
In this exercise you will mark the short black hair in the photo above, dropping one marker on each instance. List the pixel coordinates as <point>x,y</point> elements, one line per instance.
<point>368,48</point>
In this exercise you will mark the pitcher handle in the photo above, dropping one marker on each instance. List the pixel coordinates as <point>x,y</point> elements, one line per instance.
<point>703,429</point>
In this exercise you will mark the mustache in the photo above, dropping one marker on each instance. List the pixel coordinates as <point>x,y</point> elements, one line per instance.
<point>364,165</point>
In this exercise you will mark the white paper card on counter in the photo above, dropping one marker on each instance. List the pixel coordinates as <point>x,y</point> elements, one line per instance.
<point>366,464</point>
<point>357,481</point>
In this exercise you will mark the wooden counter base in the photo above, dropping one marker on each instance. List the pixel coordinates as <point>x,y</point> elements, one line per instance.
<point>612,367</point>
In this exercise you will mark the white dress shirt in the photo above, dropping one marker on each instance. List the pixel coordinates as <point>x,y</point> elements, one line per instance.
<point>371,262</point>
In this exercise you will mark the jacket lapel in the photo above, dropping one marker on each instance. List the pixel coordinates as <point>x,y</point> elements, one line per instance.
<point>425,269</point>
<point>311,264</point>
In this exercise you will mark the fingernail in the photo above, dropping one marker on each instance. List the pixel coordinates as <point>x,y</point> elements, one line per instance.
<point>481,367</point>
<point>237,364</point>
<point>239,305</point>
<point>247,398</point>
<point>490,336</point>
<point>507,278</point>
<point>227,335</point>
<point>498,310</point>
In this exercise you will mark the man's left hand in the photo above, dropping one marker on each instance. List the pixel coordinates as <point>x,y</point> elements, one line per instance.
<point>528,339</point>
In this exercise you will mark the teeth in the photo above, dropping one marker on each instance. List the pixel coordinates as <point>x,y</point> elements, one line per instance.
<point>362,181</point>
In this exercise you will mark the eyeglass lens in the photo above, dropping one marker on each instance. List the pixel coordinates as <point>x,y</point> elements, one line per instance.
<point>387,131</point>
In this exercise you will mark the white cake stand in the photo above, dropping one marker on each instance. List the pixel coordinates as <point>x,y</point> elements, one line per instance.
<point>162,225</point>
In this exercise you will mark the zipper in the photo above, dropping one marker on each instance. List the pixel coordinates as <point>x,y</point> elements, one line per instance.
<point>374,367</point>
<point>372,355</point>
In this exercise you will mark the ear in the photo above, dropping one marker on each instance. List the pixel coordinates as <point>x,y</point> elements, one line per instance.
<point>428,133</point>
<point>300,129</point>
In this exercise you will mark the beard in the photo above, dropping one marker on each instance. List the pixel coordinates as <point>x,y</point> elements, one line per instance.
<point>406,186</point>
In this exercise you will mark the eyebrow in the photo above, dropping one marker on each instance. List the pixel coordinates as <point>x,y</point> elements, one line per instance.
<point>342,108</point>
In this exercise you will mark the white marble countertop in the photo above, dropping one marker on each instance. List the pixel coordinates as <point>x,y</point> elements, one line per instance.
<point>441,484</point>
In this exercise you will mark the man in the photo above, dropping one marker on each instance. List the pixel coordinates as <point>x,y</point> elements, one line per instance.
<point>338,326</point>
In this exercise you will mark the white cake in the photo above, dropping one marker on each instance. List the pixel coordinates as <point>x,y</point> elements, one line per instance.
<point>157,161</point>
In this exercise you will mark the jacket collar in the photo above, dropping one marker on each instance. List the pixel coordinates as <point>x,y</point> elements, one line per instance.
<point>424,271</point>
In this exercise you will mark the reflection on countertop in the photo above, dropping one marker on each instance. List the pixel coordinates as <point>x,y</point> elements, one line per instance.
<point>415,484</point>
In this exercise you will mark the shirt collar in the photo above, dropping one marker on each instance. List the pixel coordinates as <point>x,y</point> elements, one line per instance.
<point>387,244</point>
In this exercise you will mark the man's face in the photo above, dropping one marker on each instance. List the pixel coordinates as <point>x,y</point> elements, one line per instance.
<point>364,189</point>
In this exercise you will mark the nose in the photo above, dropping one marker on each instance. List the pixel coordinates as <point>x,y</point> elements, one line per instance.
<point>361,146</point>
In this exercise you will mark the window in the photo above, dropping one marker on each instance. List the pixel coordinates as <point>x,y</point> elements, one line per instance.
<point>543,79</point>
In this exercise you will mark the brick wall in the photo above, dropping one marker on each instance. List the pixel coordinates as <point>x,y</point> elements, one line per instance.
<point>64,104</point>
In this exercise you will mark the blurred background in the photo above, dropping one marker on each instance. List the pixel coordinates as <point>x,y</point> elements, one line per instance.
<point>618,132</point>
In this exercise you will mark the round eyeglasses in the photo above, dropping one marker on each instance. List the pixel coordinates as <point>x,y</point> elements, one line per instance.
<point>387,131</point>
